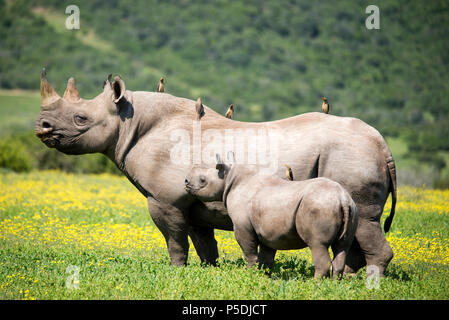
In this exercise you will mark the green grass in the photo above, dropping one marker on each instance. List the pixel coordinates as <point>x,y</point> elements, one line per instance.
<point>18,110</point>
<point>151,277</point>
<point>50,221</point>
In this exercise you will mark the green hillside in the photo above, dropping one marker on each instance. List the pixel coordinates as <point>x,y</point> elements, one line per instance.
<point>272,59</point>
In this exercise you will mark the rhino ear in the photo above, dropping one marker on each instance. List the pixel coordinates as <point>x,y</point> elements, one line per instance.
<point>220,165</point>
<point>217,156</point>
<point>118,87</point>
<point>231,156</point>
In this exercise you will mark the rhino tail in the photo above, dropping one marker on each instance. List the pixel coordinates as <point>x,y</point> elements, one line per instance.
<point>393,189</point>
<point>347,212</point>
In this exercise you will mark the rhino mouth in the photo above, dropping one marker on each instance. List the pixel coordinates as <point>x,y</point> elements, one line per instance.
<point>191,189</point>
<point>50,141</point>
<point>48,136</point>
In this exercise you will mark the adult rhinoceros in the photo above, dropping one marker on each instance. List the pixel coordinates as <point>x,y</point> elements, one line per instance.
<point>133,129</point>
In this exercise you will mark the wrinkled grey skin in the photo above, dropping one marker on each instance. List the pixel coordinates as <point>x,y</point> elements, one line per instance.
<point>277,214</point>
<point>133,130</point>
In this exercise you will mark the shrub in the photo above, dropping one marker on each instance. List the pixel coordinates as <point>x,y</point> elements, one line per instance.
<point>13,155</point>
<point>23,151</point>
<point>441,183</point>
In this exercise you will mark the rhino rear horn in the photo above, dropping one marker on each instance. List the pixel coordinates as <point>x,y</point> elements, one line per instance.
<point>48,94</point>
<point>71,93</point>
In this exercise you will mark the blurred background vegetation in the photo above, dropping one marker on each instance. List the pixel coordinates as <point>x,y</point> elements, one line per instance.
<point>271,59</point>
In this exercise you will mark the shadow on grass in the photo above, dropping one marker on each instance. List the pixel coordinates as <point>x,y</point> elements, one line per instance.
<point>397,272</point>
<point>292,268</point>
<point>297,268</point>
<point>239,262</point>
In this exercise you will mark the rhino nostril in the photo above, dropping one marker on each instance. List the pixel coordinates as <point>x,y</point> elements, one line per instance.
<point>45,125</point>
<point>186,182</point>
<point>44,129</point>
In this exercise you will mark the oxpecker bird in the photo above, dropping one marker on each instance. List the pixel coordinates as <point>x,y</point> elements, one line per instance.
<point>199,109</point>
<point>230,111</point>
<point>289,173</point>
<point>325,105</point>
<point>160,86</point>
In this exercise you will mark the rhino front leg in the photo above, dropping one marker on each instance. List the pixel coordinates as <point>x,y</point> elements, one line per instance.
<point>205,244</point>
<point>174,227</point>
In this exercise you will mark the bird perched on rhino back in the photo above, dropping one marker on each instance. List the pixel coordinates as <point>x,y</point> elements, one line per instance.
<point>199,109</point>
<point>288,172</point>
<point>325,105</point>
<point>161,86</point>
<point>230,111</point>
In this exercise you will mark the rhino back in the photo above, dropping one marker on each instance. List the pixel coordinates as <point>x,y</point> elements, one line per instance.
<point>346,150</point>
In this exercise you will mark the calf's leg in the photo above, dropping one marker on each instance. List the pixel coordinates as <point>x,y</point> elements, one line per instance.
<point>321,260</point>
<point>338,263</point>
<point>248,241</point>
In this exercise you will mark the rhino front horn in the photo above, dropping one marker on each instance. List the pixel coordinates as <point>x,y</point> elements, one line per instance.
<point>48,94</point>
<point>71,93</point>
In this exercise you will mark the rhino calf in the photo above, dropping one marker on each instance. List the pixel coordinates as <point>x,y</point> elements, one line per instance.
<point>276,214</point>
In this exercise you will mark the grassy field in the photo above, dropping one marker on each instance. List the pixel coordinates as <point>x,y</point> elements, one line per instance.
<point>18,110</point>
<point>56,228</point>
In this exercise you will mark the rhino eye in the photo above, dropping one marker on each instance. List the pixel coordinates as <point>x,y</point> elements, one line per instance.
<point>80,120</point>
<point>202,180</point>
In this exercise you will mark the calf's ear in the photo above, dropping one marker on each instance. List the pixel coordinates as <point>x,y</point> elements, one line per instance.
<point>231,156</point>
<point>220,165</point>
<point>218,158</point>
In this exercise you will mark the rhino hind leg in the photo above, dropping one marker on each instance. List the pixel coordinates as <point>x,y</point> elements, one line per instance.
<point>370,247</point>
<point>355,259</point>
<point>339,250</point>
<point>321,260</point>
<point>248,242</point>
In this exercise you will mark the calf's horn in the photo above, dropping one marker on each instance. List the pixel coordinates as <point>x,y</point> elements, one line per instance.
<point>48,94</point>
<point>71,93</point>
